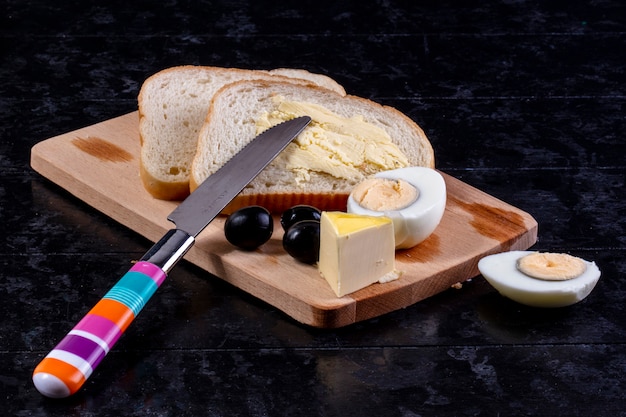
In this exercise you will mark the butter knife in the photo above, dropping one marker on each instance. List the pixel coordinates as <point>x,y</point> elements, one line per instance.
<point>66,368</point>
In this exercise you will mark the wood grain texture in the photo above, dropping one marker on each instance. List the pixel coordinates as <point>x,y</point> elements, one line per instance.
<point>99,164</point>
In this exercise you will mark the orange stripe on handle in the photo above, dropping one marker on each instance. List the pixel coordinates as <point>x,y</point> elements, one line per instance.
<point>115,311</point>
<point>71,377</point>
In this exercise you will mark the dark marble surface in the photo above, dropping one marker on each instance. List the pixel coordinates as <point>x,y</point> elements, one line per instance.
<point>522,99</point>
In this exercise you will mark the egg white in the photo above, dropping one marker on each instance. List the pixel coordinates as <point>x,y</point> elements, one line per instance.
<point>500,270</point>
<point>414,223</point>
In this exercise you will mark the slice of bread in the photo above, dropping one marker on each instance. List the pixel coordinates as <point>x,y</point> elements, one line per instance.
<point>232,123</point>
<point>173,105</point>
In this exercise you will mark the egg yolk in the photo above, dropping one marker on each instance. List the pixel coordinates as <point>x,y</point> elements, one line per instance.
<point>380,194</point>
<point>551,266</point>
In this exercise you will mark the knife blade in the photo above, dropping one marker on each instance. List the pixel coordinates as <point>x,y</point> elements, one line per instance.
<point>68,366</point>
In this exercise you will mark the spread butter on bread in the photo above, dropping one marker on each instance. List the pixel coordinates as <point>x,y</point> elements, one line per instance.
<point>349,139</point>
<point>173,105</point>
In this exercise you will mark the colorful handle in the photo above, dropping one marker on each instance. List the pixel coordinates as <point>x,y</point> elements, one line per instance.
<point>66,368</point>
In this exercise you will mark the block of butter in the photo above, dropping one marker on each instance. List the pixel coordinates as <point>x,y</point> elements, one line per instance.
<point>356,251</point>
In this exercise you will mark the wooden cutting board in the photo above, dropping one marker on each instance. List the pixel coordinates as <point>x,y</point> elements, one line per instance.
<point>99,165</point>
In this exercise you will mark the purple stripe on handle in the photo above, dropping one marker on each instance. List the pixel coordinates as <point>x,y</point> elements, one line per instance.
<point>87,349</point>
<point>150,270</point>
<point>101,327</point>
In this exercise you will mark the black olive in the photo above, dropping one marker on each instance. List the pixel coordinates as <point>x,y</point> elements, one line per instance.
<point>249,227</point>
<point>298,213</point>
<point>302,241</point>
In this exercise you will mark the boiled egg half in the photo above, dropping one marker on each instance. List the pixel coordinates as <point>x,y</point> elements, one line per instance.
<point>414,198</point>
<point>540,279</point>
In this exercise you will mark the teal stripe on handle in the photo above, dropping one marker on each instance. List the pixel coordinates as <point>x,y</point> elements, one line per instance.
<point>133,290</point>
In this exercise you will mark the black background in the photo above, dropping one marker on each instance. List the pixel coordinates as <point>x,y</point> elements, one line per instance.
<point>524,100</point>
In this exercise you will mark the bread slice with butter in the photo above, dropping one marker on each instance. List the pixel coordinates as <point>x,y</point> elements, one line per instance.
<point>173,106</point>
<point>348,139</point>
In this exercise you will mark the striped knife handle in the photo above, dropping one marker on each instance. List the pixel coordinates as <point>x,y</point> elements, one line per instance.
<point>66,368</point>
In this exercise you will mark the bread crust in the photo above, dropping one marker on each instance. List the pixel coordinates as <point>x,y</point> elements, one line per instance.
<point>277,203</point>
<point>174,191</point>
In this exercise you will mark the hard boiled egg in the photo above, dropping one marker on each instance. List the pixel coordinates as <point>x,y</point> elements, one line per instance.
<point>540,279</point>
<point>414,198</point>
